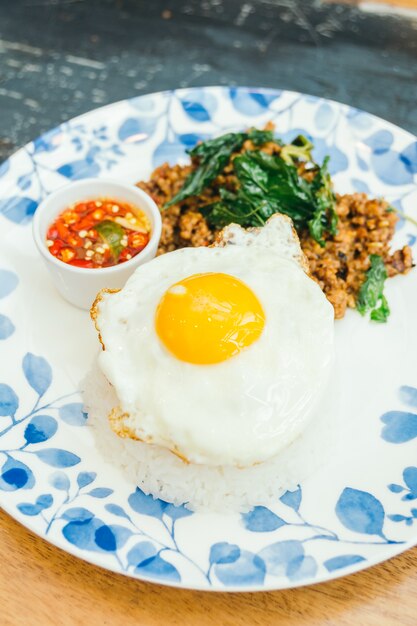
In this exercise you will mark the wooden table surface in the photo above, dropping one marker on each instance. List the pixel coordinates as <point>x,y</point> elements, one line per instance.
<point>42,585</point>
<point>59,58</point>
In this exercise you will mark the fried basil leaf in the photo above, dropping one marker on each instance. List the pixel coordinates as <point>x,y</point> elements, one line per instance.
<point>371,297</point>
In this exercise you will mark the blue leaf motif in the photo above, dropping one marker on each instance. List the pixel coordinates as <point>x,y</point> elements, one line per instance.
<point>264,99</point>
<point>45,501</point>
<point>380,142</point>
<point>121,534</point>
<point>8,282</point>
<point>302,567</point>
<point>60,481</point>
<point>410,479</point>
<point>105,539</point>
<point>363,165</point>
<point>280,555</point>
<point>323,116</point>
<point>261,519</point>
<point>390,168</point>
<point>292,498</point>
<point>18,209</point>
<point>196,111</point>
<point>24,182</point>
<point>157,567</point>
<point>86,478</point>
<point>399,426</point>
<point>191,139</point>
<point>135,130</point>
<point>141,552</point>
<point>224,552</point>
<point>29,509</point>
<point>38,372</point>
<point>395,488</point>
<point>115,509</point>
<point>48,142</point>
<point>397,518</point>
<point>248,569</point>
<point>360,512</point>
<point>6,327</point>
<point>78,514</point>
<point>408,395</point>
<point>199,104</point>
<point>168,152</point>
<point>77,170</point>
<point>40,428</point>
<point>359,119</point>
<point>73,414</point>
<point>100,492</point>
<point>409,157</point>
<point>82,534</point>
<point>9,402</point>
<point>360,185</point>
<point>251,102</point>
<point>15,475</point>
<point>176,512</point>
<point>57,457</point>
<point>146,504</point>
<point>344,560</point>
<point>338,159</point>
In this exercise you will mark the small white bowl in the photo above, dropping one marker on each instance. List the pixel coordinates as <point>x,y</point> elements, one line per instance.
<point>80,285</point>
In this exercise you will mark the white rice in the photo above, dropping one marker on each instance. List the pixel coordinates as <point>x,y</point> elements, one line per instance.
<point>159,472</point>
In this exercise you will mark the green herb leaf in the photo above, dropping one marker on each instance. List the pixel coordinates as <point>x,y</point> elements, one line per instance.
<point>213,156</point>
<point>381,314</point>
<point>260,137</point>
<point>299,149</point>
<point>111,233</point>
<point>325,216</point>
<point>371,292</point>
<point>269,185</point>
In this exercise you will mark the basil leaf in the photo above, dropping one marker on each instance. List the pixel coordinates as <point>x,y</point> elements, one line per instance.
<point>259,137</point>
<point>267,184</point>
<point>213,156</point>
<point>111,233</point>
<point>325,217</point>
<point>371,291</point>
<point>382,312</point>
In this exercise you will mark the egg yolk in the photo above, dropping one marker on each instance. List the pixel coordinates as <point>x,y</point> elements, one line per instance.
<point>208,318</point>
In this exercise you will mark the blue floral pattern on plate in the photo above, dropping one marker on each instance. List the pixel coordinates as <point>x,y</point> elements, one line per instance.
<point>355,511</point>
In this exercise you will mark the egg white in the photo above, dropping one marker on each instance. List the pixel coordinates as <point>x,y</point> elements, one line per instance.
<point>238,412</point>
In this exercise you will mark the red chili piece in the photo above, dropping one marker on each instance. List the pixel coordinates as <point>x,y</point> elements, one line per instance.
<point>73,239</point>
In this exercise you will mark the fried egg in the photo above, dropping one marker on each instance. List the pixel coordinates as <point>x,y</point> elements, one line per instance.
<point>219,354</point>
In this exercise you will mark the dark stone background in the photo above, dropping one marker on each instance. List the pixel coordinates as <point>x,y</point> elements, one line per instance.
<point>60,58</point>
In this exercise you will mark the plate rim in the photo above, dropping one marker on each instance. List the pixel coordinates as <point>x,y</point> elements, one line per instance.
<point>94,558</point>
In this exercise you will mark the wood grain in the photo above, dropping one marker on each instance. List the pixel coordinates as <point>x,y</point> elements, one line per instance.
<point>404,4</point>
<point>41,585</point>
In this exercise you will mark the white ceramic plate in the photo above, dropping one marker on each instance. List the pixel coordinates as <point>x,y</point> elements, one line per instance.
<point>357,510</point>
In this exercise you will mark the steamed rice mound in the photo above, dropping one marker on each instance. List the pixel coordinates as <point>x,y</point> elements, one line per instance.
<point>159,472</point>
